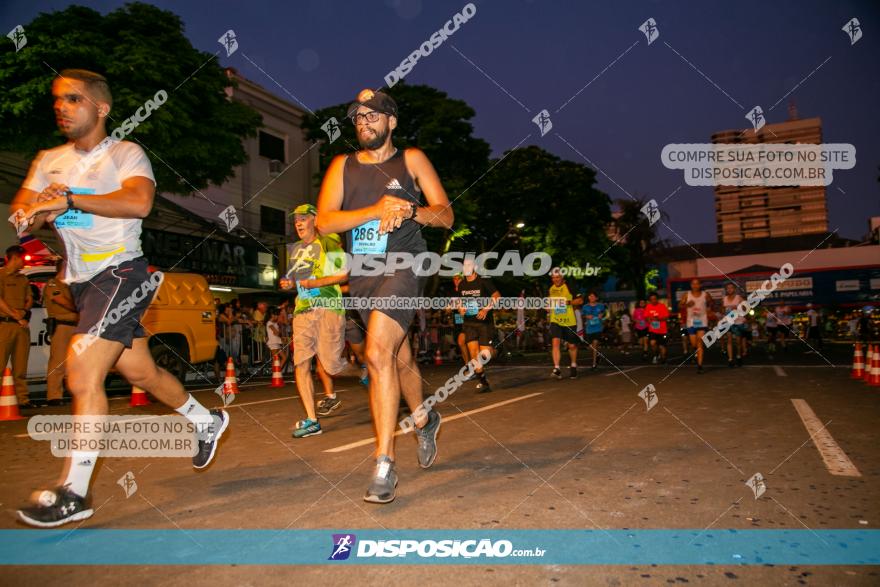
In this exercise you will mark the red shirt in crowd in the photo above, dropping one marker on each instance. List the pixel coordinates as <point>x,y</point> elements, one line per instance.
<point>657,315</point>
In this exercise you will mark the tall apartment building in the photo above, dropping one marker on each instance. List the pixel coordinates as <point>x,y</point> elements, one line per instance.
<point>759,212</point>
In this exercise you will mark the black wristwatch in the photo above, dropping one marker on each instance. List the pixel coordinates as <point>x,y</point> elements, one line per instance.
<point>69,195</point>
<point>415,211</point>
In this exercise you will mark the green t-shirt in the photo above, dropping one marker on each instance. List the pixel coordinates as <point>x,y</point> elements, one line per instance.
<point>322,257</point>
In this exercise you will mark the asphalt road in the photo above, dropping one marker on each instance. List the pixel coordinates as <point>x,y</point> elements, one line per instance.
<point>536,453</point>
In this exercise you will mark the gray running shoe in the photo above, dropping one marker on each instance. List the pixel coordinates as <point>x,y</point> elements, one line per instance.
<point>381,490</point>
<point>328,405</point>
<point>428,440</point>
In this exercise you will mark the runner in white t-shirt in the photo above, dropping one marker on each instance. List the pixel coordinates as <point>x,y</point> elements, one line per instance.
<point>814,332</point>
<point>625,332</point>
<point>96,191</point>
<point>736,336</point>
<point>783,314</point>
<point>698,303</point>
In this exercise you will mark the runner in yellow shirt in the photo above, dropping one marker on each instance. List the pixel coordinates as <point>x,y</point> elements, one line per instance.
<point>563,324</point>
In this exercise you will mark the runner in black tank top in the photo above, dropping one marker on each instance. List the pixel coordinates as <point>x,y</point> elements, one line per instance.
<point>374,197</point>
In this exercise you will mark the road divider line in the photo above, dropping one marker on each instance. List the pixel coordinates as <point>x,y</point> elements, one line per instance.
<point>780,371</point>
<point>835,459</point>
<point>446,419</point>
<point>625,371</point>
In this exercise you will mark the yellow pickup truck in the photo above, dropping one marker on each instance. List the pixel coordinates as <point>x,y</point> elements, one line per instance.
<point>179,323</point>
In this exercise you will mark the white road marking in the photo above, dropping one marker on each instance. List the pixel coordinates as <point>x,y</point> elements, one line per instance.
<point>826,366</point>
<point>835,459</point>
<point>625,371</point>
<point>780,371</point>
<point>371,440</point>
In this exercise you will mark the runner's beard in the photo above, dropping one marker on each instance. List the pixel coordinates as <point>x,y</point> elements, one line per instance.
<point>375,142</point>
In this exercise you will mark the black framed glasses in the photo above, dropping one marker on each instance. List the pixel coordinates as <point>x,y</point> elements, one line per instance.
<point>371,116</point>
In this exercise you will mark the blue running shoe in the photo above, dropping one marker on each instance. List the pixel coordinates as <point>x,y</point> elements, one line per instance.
<point>307,427</point>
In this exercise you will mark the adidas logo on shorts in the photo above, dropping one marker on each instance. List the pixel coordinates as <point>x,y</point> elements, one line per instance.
<point>394,185</point>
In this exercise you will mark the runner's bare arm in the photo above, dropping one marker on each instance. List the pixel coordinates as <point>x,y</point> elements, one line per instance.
<point>25,199</point>
<point>134,200</point>
<point>684,300</point>
<point>325,281</point>
<point>438,212</point>
<point>331,217</point>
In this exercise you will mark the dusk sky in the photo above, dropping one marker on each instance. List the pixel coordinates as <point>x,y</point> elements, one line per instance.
<point>515,58</point>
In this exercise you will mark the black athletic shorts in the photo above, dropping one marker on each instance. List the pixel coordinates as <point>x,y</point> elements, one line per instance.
<point>355,331</point>
<point>479,331</point>
<point>566,333</point>
<point>403,284</point>
<point>112,303</point>
<point>591,336</point>
<point>660,338</point>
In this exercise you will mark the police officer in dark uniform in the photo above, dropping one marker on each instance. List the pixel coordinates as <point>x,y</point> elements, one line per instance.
<point>61,319</point>
<point>15,305</point>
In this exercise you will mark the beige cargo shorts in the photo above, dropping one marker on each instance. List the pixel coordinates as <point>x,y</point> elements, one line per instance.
<point>319,332</point>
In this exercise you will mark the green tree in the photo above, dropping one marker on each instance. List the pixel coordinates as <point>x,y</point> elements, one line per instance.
<point>563,213</point>
<point>636,246</point>
<point>193,139</point>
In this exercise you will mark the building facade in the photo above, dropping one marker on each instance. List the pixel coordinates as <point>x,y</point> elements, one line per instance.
<point>278,176</point>
<point>758,212</point>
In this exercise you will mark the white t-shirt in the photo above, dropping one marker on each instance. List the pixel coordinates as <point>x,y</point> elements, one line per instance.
<point>697,316</point>
<point>92,242</point>
<point>731,304</point>
<point>624,323</point>
<point>273,341</point>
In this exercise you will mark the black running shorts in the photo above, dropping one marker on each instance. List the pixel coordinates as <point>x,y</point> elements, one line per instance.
<point>112,303</point>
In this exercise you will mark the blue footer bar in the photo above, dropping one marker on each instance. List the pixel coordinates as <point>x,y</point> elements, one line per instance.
<point>483,547</point>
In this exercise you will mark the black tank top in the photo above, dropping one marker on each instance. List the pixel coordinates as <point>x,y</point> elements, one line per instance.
<point>364,184</point>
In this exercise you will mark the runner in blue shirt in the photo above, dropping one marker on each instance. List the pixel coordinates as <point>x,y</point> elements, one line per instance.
<point>594,315</point>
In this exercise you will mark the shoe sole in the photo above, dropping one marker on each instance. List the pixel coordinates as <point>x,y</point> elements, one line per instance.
<point>376,499</point>
<point>309,434</point>
<point>436,450</point>
<point>331,410</point>
<point>83,515</point>
<point>216,441</point>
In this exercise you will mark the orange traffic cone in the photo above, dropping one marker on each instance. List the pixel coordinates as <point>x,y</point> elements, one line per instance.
<point>8,401</point>
<point>874,379</point>
<point>858,368</point>
<point>230,385</point>
<point>869,358</point>
<point>277,379</point>
<point>138,397</point>
<point>438,358</point>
